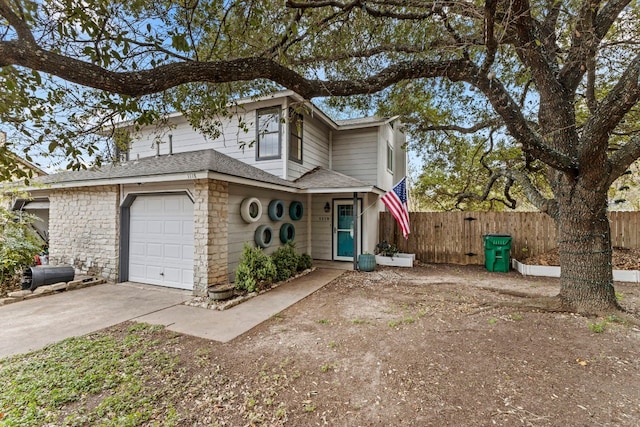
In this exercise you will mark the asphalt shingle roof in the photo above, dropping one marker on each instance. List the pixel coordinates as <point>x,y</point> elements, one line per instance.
<point>200,161</point>
<point>189,162</point>
<point>325,178</point>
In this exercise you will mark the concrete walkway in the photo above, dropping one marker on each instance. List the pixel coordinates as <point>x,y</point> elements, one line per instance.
<point>226,325</point>
<point>33,324</point>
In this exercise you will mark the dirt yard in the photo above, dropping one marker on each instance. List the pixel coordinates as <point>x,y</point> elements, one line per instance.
<point>430,346</point>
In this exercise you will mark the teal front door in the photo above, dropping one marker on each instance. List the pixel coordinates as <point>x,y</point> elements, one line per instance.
<point>343,230</point>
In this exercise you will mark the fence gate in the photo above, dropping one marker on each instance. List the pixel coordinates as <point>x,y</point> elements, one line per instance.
<point>469,237</point>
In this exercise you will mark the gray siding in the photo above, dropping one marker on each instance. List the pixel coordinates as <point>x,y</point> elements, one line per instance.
<point>322,223</point>
<point>386,137</point>
<point>321,227</point>
<point>240,232</point>
<point>234,141</point>
<point>315,148</point>
<point>355,153</point>
<point>401,156</point>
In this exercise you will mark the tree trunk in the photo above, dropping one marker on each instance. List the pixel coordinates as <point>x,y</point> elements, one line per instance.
<point>584,245</point>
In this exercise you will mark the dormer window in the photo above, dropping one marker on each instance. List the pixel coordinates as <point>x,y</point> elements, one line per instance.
<point>295,136</point>
<point>268,134</point>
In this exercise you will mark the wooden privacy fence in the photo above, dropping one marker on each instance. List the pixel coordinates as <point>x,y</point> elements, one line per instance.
<point>456,237</point>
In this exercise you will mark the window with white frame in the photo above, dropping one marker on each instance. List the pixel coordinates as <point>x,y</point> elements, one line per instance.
<point>268,134</point>
<point>389,157</point>
<point>295,136</point>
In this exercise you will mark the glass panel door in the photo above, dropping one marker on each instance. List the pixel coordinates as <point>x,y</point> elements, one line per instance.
<point>343,230</point>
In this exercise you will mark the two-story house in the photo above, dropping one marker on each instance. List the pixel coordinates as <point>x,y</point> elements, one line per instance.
<point>178,208</point>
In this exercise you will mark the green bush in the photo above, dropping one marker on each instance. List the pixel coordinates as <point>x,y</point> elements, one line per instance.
<point>255,271</point>
<point>304,262</point>
<point>286,260</point>
<point>19,243</point>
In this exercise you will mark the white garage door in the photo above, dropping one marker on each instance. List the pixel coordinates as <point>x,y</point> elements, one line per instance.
<point>161,241</point>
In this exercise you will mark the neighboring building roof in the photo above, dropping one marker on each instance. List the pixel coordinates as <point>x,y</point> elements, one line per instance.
<point>189,162</point>
<point>36,170</point>
<point>325,180</point>
<point>21,165</point>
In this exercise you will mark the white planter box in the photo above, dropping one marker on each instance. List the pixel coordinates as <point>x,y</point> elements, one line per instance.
<point>398,260</point>
<point>554,271</point>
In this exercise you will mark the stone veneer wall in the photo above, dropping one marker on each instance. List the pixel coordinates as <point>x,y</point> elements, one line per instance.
<point>84,229</point>
<point>210,240</point>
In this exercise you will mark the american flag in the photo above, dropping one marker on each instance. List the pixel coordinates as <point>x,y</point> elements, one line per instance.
<point>396,201</point>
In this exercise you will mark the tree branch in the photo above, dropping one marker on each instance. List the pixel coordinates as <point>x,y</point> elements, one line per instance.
<point>22,29</point>
<point>286,37</point>
<point>592,102</point>
<point>467,9</point>
<point>556,114</point>
<point>467,130</point>
<point>589,32</point>
<point>489,36</point>
<point>623,158</point>
<point>518,126</point>
<point>548,206</point>
<point>528,44</point>
<point>618,102</point>
<point>548,28</point>
<point>143,82</point>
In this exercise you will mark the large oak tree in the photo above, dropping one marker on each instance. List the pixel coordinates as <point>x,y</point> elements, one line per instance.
<point>559,78</point>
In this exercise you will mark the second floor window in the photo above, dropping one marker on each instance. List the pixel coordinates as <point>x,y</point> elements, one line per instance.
<point>389,157</point>
<point>268,134</point>
<point>295,136</point>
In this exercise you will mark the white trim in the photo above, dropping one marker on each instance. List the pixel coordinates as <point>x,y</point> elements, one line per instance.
<point>334,229</point>
<point>189,176</point>
<point>398,260</point>
<point>371,189</point>
<point>554,271</point>
<point>168,192</point>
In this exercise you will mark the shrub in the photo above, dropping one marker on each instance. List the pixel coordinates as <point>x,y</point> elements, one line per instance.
<point>19,243</point>
<point>286,261</point>
<point>385,248</point>
<point>304,262</point>
<point>255,271</point>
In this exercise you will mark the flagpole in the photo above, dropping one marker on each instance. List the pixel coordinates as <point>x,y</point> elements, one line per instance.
<point>355,231</point>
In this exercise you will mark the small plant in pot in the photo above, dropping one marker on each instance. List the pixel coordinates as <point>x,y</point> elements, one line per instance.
<point>385,248</point>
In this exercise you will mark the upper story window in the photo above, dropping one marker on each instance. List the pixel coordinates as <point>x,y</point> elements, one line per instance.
<point>389,157</point>
<point>268,134</point>
<point>122,145</point>
<point>295,136</point>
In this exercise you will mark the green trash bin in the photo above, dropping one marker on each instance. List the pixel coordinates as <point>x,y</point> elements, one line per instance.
<point>497,249</point>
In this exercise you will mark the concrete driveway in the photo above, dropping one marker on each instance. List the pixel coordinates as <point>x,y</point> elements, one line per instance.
<point>33,324</point>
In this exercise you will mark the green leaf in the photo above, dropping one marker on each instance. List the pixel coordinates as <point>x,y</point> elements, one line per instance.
<point>179,42</point>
